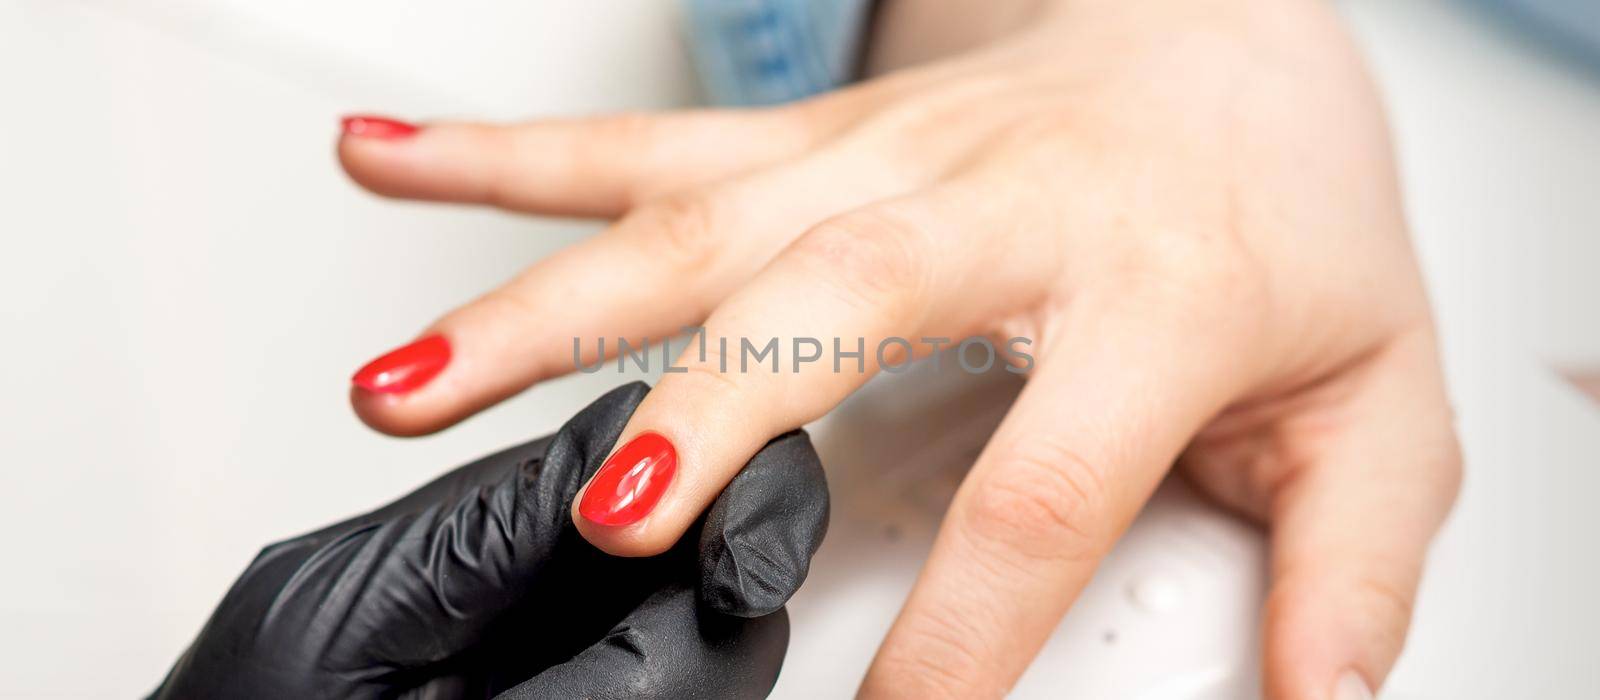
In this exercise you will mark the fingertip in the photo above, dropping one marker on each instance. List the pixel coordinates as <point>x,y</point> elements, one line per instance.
<point>372,126</point>
<point>628,541</point>
<point>391,393</point>
<point>1351,686</point>
<point>398,159</point>
<point>381,166</point>
<point>1321,630</point>
<point>385,413</point>
<point>613,510</point>
<point>1295,657</point>
<point>406,368</point>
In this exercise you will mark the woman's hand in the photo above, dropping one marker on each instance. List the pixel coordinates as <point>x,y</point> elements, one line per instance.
<point>1189,208</point>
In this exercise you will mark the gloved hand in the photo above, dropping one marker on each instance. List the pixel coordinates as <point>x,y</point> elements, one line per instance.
<point>478,585</point>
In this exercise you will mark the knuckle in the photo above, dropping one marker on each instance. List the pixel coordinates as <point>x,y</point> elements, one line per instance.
<point>1048,126</point>
<point>871,258</point>
<point>1213,262</point>
<point>935,658</point>
<point>498,185</point>
<point>727,390</point>
<point>1384,600</point>
<point>1197,280</point>
<point>1042,501</point>
<point>798,125</point>
<point>594,150</point>
<point>628,129</point>
<point>510,305</point>
<point>1448,464</point>
<point>709,382</point>
<point>1305,599</point>
<point>514,305</point>
<point>680,228</point>
<point>916,118</point>
<point>918,676</point>
<point>1044,139</point>
<point>728,395</point>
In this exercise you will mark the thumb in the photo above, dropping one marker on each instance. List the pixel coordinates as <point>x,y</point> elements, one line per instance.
<point>431,581</point>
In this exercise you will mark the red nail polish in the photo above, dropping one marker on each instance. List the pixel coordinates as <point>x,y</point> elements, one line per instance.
<point>369,126</point>
<point>406,368</point>
<point>629,484</point>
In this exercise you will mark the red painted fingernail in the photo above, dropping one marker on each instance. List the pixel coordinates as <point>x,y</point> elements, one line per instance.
<point>377,127</point>
<point>405,368</point>
<point>629,484</point>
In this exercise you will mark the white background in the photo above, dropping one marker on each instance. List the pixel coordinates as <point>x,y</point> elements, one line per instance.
<point>186,282</point>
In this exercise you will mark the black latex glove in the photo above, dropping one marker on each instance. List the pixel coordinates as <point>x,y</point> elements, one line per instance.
<point>478,585</point>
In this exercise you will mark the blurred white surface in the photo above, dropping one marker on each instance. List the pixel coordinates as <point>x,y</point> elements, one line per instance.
<point>186,281</point>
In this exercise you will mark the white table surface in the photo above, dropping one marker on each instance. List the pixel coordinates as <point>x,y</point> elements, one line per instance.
<point>186,282</point>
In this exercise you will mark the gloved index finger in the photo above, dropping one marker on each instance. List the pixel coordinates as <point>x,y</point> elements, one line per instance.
<point>452,560</point>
